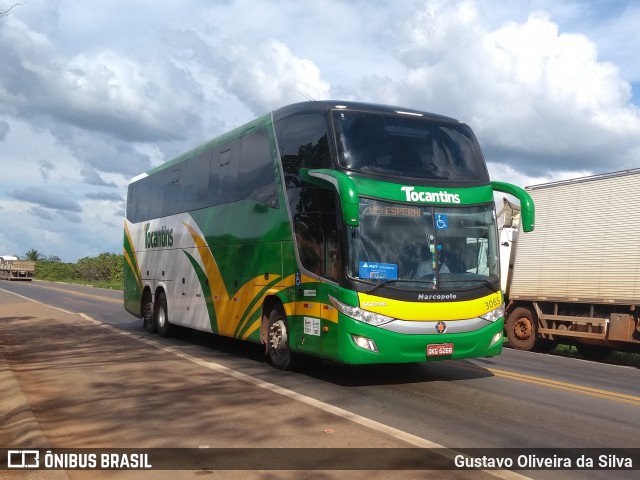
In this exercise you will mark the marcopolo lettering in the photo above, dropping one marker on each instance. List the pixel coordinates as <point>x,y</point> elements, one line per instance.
<point>158,238</point>
<point>430,197</point>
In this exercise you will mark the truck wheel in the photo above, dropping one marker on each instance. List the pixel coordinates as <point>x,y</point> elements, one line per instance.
<point>596,353</point>
<point>162,319</point>
<point>522,329</point>
<point>280,355</point>
<point>148,317</point>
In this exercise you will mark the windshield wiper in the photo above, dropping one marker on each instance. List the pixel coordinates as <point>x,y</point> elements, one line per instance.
<point>386,282</point>
<point>487,283</point>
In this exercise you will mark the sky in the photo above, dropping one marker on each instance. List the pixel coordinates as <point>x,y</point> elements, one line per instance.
<point>93,93</point>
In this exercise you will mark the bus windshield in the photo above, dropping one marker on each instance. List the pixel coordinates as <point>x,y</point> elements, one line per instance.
<point>413,146</point>
<point>418,247</point>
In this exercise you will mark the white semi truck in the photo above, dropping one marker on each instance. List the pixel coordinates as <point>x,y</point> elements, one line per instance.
<point>576,278</point>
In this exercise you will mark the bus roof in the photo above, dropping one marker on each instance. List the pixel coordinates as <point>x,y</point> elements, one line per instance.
<point>324,105</point>
<point>286,111</point>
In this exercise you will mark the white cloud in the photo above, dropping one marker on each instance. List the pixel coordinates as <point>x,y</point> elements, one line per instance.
<point>534,95</point>
<point>270,75</point>
<point>92,94</point>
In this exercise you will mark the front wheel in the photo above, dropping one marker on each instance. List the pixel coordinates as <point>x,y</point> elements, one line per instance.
<point>522,329</point>
<point>280,355</point>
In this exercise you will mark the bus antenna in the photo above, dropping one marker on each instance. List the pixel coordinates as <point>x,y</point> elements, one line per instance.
<point>308,97</point>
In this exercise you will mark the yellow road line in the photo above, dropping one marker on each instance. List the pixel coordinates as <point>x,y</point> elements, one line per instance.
<point>546,382</point>
<point>570,387</point>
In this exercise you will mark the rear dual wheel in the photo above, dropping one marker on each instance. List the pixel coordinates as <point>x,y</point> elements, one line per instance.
<point>155,318</point>
<point>148,314</point>
<point>165,329</point>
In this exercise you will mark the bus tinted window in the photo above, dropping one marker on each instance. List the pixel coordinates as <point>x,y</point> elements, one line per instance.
<point>223,180</point>
<point>398,145</point>
<point>256,179</point>
<point>156,195</point>
<point>316,229</point>
<point>303,143</point>
<point>196,182</point>
<point>173,192</point>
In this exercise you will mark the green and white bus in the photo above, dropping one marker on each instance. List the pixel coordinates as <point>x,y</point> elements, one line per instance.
<point>348,231</point>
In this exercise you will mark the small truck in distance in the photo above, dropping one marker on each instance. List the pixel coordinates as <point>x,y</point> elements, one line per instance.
<point>11,268</point>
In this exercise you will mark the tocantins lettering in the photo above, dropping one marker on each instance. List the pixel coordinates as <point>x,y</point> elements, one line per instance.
<point>158,238</point>
<point>430,197</point>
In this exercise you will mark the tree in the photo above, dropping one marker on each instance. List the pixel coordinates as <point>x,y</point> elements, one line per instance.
<point>5,11</point>
<point>33,255</point>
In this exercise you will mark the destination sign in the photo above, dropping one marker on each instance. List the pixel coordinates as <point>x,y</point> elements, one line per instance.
<point>392,211</point>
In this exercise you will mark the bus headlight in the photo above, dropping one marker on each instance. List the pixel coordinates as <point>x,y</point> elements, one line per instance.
<point>494,315</point>
<point>361,315</point>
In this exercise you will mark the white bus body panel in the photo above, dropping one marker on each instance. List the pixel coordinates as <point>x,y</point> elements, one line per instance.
<point>165,268</point>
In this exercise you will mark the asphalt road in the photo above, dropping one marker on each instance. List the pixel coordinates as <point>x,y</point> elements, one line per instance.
<point>518,400</point>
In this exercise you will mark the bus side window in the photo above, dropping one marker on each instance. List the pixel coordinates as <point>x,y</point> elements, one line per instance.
<point>196,182</point>
<point>308,238</point>
<point>317,237</point>
<point>223,176</point>
<point>256,177</point>
<point>172,200</point>
<point>303,144</point>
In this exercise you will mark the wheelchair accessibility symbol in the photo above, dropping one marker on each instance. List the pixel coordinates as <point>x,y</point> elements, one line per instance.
<point>442,223</point>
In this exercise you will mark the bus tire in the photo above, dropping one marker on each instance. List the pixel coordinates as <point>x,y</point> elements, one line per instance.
<point>522,329</point>
<point>148,314</point>
<point>278,350</point>
<point>162,318</point>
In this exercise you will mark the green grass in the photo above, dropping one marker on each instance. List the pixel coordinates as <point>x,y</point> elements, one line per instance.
<point>616,357</point>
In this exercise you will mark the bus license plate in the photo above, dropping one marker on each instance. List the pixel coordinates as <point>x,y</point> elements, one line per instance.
<point>439,349</point>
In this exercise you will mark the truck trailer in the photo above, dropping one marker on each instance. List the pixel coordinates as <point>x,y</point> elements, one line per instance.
<point>11,268</point>
<point>576,278</point>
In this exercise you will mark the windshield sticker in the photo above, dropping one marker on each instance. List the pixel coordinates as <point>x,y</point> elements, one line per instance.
<point>378,271</point>
<point>442,222</point>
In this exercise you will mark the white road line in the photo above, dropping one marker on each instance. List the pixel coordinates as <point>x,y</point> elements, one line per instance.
<point>340,412</point>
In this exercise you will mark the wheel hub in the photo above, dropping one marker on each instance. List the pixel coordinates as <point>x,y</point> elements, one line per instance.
<point>278,335</point>
<point>523,329</point>
<point>161,318</point>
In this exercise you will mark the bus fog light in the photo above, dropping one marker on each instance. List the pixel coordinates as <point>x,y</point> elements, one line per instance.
<point>496,338</point>
<point>364,342</point>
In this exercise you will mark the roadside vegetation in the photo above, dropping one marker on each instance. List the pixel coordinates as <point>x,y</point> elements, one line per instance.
<point>616,357</point>
<point>105,270</point>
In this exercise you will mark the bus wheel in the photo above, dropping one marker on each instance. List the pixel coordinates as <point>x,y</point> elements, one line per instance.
<point>162,319</point>
<point>522,329</point>
<point>148,317</point>
<point>280,355</point>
